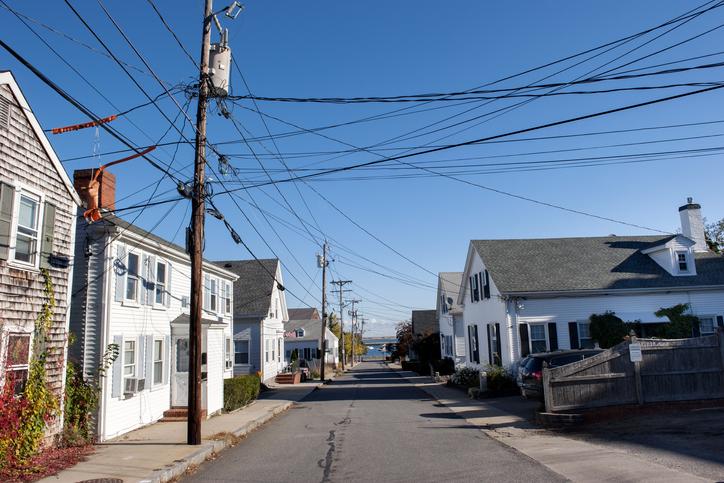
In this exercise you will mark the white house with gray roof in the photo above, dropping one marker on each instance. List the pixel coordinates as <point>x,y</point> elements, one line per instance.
<point>304,336</point>
<point>535,295</point>
<point>260,309</point>
<point>131,289</point>
<point>450,316</point>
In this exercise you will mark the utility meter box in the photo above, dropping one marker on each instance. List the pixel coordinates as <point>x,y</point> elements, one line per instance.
<point>219,70</point>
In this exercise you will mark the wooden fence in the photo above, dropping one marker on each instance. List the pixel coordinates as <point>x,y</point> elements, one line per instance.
<point>670,370</point>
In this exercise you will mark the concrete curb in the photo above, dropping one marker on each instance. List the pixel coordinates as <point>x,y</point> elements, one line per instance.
<point>210,448</point>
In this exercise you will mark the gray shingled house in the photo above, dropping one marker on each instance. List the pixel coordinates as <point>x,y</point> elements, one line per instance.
<point>260,309</point>
<point>37,226</point>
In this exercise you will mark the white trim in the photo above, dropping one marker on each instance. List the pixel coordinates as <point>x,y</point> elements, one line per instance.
<point>164,363</point>
<point>23,190</point>
<point>8,79</point>
<point>713,323</point>
<point>166,294</point>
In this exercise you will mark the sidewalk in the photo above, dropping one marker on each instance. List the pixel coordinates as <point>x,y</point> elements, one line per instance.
<point>574,459</point>
<point>158,452</point>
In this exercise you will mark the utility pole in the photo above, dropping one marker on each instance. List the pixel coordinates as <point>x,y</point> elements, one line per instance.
<point>340,284</point>
<point>353,314</point>
<point>362,334</point>
<point>322,263</point>
<point>193,433</point>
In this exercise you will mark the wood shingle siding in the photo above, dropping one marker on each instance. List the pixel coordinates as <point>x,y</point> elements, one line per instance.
<point>26,160</point>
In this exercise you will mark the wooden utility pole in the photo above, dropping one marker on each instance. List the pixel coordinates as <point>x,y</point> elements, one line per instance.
<point>353,314</point>
<point>340,284</point>
<point>193,434</point>
<point>323,343</point>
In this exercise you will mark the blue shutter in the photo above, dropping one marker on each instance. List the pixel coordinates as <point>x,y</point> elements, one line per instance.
<point>149,361</point>
<point>207,292</point>
<point>117,369</point>
<point>119,266</point>
<point>145,279</point>
<point>167,295</point>
<point>140,358</point>
<point>151,280</point>
<point>166,358</point>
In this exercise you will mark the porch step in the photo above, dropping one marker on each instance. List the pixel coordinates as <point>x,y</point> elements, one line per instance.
<point>178,414</point>
<point>286,378</point>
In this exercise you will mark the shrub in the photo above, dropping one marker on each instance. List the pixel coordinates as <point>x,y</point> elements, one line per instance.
<point>681,325</point>
<point>607,329</point>
<point>445,366</point>
<point>240,391</point>
<point>499,379</point>
<point>466,377</point>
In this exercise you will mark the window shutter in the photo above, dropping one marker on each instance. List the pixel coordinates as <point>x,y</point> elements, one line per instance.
<point>486,287</point>
<point>207,292</point>
<point>720,320</point>
<point>477,344</point>
<point>7,199</point>
<point>477,287</point>
<point>524,340</point>
<point>117,370</point>
<point>167,295</point>
<point>471,289</point>
<point>166,358</point>
<point>145,279</point>
<point>120,269</point>
<point>141,358</point>
<point>498,348</point>
<point>46,243</point>
<point>490,345</point>
<point>573,335</point>
<point>552,336</point>
<point>149,361</point>
<point>151,291</point>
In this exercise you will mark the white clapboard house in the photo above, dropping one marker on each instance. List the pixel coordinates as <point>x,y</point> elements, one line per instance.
<point>536,295</point>
<point>131,288</point>
<point>450,316</point>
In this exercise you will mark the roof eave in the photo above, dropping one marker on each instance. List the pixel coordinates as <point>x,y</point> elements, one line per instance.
<point>578,293</point>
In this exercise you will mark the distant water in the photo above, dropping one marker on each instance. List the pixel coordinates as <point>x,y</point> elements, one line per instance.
<point>375,346</point>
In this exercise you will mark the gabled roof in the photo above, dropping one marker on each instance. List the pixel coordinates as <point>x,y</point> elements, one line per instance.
<point>449,283</point>
<point>255,285</point>
<point>304,313</point>
<point>6,77</point>
<point>584,264</point>
<point>312,329</point>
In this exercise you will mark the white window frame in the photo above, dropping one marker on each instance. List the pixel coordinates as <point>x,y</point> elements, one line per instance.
<point>227,299</point>
<point>279,349</point>
<point>581,339</point>
<point>213,294</point>
<point>545,335</point>
<point>266,351</point>
<point>20,191</point>
<point>273,344</point>
<point>247,353</point>
<point>162,285</point>
<point>136,277</point>
<point>4,355</point>
<point>228,353</point>
<point>687,261</point>
<point>155,361</point>
<point>131,364</point>
<point>713,324</point>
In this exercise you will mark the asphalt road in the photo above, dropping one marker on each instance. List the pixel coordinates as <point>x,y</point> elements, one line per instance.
<point>368,426</point>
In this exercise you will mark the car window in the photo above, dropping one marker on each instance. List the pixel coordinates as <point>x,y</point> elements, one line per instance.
<point>563,360</point>
<point>534,364</point>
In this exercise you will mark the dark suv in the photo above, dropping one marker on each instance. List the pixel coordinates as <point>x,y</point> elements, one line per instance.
<point>530,370</point>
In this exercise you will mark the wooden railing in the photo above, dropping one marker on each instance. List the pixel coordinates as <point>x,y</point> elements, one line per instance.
<point>670,370</point>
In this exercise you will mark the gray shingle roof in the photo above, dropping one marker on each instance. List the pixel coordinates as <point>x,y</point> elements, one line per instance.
<point>595,263</point>
<point>424,322</point>
<point>253,289</point>
<point>312,329</point>
<point>450,285</point>
<point>304,313</point>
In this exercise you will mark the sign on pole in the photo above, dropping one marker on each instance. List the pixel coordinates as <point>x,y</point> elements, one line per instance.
<point>634,351</point>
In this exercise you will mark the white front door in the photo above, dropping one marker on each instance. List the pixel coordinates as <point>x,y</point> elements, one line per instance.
<point>180,371</point>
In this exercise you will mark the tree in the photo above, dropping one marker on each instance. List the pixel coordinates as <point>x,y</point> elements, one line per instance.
<point>607,329</point>
<point>403,331</point>
<point>714,234</point>
<point>681,325</point>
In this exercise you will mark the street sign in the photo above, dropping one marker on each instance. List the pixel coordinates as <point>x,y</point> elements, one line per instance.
<point>634,351</point>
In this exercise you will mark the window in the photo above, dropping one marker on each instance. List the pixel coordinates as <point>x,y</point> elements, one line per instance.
<point>129,358</point>
<point>682,261</point>
<point>157,361</point>
<point>493,346</point>
<point>279,350</point>
<point>228,361</point>
<point>299,333</point>
<point>474,288</point>
<point>276,308</point>
<point>182,355</point>
<point>266,350</point>
<point>538,340</point>
<point>241,351</point>
<point>706,324</point>
<point>214,295</point>
<point>273,348</point>
<point>473,344</point>
<point>26,238</point>
<point>443,304</point>
<point>227,299</point>
<point>17,356</point>
<point>307,353</point>
<point>132,281</point>
<point>584,335</point>
<point>160,283</point>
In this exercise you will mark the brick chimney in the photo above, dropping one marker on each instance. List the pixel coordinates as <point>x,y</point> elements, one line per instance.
<point>106,188</point>
<point>692,224</point>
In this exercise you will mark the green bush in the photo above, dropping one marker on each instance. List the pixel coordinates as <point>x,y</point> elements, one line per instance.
<point>240,391</point>
<point>466,377</point>
<point>607,329</point>
<point>499,379</point>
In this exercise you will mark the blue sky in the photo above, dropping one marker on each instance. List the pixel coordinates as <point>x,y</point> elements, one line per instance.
<point>346,49</point>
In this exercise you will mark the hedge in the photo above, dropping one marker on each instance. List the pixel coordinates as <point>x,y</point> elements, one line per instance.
<point>240,391</point>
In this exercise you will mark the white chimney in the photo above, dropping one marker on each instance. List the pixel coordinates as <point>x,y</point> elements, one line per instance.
<point>692,224</point>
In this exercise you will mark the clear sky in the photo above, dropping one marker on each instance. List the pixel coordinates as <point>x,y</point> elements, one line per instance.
<point>360,49</point>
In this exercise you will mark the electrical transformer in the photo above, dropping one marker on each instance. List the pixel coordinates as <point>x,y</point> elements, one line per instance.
<point>219,69</point>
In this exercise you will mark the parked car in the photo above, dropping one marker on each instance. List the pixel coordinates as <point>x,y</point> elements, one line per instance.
<point>530,370</point>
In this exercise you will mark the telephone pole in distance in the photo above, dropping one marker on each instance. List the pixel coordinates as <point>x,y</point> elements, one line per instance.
<point>323,263</point>
<point>341,284</point>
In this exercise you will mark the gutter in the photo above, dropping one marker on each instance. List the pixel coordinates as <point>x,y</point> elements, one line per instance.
<point>576,293</point>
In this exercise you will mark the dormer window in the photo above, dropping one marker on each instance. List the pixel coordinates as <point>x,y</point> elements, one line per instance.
<point>299,333</point>
<point>682,261</point>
